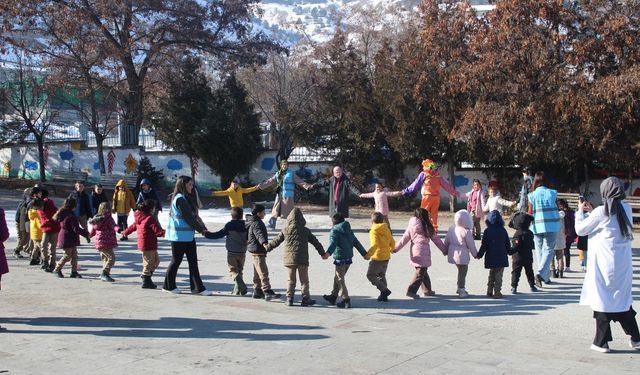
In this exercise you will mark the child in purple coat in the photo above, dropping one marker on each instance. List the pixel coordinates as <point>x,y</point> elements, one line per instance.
<point>69,238</point>
<point>4,235</point>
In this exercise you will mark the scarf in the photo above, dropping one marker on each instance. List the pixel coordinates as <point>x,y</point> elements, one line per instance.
<point>612,192</point>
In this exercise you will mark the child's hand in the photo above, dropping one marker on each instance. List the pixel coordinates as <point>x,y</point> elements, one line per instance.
<point>366,257</point>
<point>325,256</point>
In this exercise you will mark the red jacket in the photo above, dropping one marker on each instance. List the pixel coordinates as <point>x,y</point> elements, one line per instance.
<point>47,224</point>
<point>147,229</point>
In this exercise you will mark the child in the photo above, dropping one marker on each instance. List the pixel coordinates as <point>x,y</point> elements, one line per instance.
<point>496,244</point>
<point>96,197</point>
<point>419,232</point>
<point>257,241</point>
<point>235,232</point>
<point>522,251</point>
<point>35,233</point>
<point>50,230</point>
<point>4,235</point>
<point>382,244</point>
<point>122,203</point>
<point>582,243</point>
<point>235,193</point>
<point>459,244</point>
<point>495,201</point>
<point>341,243</point>
<point>104,228</point>
<point>148,231</point>
<point>557,264</point>
<point>147,192</point>
<point>475,205</point>
<point>381,199</point>
<point>570,232</point>
<point>296,237</point>
<point>22,224</point>
<point>69,238</point>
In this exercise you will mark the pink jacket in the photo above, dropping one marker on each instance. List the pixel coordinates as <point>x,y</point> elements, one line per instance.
<point>459,240</point>
<point>4,235</point>
<point>420,252</point>
<point>482,199</point>
<point>381,199</point>
<point>104,229</point>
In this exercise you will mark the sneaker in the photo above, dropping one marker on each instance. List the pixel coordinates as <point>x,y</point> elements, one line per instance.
<point>174,291</point>
<point>538,281</point>
<point>242,287</point>
<point>307,302</point>
<point>462,293</point>
<point>547,282</point>
<point>75,275</point>
<point>44,266</point>
<point>555,274</point>
<point>497,295</point>
<point>430,293</point>
<point>330,298</point>
<point>48,269</point>
<point>106,277</point>
<point>413,295</point>
<point>269,294</point>
<point>514,290</point>
<point>258,294</point>
<point>18,255</point>
<point>205,293</point>
<point>344,304</point>
<point>384,296</point>
<point>601,349</point>
<point>34,262</point>
<point>59,274</point>
<point>533,288</point>
<point>584,269</point>
<point>634,344</point>
<point>567,269</point>
<point>289,301</point>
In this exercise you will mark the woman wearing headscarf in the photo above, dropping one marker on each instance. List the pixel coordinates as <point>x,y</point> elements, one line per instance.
<point>607,283</point>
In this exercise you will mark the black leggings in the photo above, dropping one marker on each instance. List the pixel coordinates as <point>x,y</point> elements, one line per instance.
<point>178,251</point>
<point>567,256</point>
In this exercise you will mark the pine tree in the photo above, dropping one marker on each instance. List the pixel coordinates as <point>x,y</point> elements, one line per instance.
<point>148,171</point>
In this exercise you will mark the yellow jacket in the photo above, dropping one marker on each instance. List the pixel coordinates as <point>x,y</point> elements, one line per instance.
<point>124,200</point>
<point>382,242</point>
<point>235,195</point>
<point>35,232</point>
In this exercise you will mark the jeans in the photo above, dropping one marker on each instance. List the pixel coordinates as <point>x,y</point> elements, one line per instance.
<point>545,249</point>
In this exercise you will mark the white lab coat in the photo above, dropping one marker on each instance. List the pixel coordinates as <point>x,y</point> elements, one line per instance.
<point>607,283</point>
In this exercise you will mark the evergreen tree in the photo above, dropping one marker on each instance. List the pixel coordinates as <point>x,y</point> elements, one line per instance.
<point>148,171</point>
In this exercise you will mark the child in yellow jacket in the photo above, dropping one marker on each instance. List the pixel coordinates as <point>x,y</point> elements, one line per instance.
<point>382,244</point>
<point>235,193</point>
<point>35,232</point>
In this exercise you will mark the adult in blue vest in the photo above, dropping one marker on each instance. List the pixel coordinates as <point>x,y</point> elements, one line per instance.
<point>285,181</point>
<point>183,223</point>
<point>546,225</point>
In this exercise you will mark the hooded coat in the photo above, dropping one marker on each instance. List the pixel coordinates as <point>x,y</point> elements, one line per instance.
<point>47,224</point>
<point>129,202</point>
<point>147,229</point>
<point>151,194</point>
<point>70,230</point>
<point>381,242</point>
<point>104,228</point>
<point>495,242</point>
<point>522,243</point>
<point>459,240</point>
<point>296,237</point>
<point>342,241</point>
<point>419,251</point>
<point>256,235</point>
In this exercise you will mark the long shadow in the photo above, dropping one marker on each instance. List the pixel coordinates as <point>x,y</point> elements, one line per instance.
<point>166,327</point>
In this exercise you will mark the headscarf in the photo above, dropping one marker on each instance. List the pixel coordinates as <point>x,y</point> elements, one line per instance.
<point>612,192</point>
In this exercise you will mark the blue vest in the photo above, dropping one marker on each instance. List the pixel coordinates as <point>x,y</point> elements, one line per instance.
<point>288,185</point>
<point>178,230</point>
<point>546,218</point>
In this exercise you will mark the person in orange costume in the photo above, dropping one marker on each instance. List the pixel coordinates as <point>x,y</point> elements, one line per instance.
<point>430,182</point>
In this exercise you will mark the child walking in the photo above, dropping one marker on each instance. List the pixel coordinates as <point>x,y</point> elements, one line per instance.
<point>148,230</point>
<point>495,201</point>
<point>382,244</point>
<point>35,232</point>
<point>50,232</point>
<point>557,263</point>
<point>104,228</point>
<point>419,232</point>
<point>475,205</point>
<point>341,244</point>
<point>257,242</point>
<point>123,202</point>
<point>296,237</point>
<point>69,238</point>
<point>496,245</point>
<point>381,200</point>
<point>522,251</point>
<point>235,232</point>
<point>460,245</point>
<point>147,192</point>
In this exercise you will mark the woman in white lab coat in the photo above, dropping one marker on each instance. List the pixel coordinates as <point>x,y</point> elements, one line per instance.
<point>608,281</point>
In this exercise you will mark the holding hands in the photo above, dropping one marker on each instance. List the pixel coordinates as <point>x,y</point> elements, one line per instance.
<point>325,256</point>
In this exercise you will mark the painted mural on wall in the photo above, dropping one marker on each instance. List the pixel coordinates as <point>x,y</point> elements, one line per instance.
<point>130,164</point>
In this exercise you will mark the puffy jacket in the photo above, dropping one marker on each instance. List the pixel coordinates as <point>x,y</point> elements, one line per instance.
<point>235,195</point>
<point>104,230</point>
<point>235,232</point>
<point>83,205</point>
<point>129,202</point>
<point>256,235</point>
<point>47,224</point>
<point>522,244</point>
<point>420,251</point>
<point>151,194</point>
<point>342,240</point>
<point>495,242</point>
<point>70,230</point>
<point>382,242</point>
<point>147,229</point>
<point>95,199</point>
<point>35,233</point>
<point>459,240</point>
<point>296,237</point>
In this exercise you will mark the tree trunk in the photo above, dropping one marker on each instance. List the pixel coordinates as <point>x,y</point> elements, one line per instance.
<point>134,115</point>
<point>40,142</point>
<point>587,180</point>
<point>100,147</point>
<point>451,177</point>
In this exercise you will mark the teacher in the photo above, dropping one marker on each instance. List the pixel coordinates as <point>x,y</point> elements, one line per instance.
<point>607,283</point>
<point>183,223</point>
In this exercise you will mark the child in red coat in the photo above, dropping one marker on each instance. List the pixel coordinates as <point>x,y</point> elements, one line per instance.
<point>104,229</point>
<point>148,232</point>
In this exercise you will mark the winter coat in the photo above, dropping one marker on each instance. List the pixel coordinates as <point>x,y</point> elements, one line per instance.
<point>147,229</point>
<point>35,233</point>
<point>342,240</point>
<point>151,194</point>
<point>256,235</point>
<point>419,251</point>
<point>95,199</point>
<point>235,195</point>
<point>522,244</point>
<point>609,278</point>
<point>344,187</point>
<point>70,230</point>
<point>479,209</point>
<point>104,229</point>
<point>496,203</point>
<point>235,232</point>
<point>569,226</point>
<point>4,235</point>
<point>296,237</point>
<point>22,216</point>
<point>381,199</point>
<point>495,242</point>
<point>47,224</point>
<point>83,206</point>
<point>129,202</point>
<point>382,242</point>
<point>459,240</point>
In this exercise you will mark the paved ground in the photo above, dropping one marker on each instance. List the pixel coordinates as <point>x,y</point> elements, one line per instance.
<point>87,326</point>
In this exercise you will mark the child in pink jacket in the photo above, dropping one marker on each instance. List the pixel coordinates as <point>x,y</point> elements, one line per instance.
<point>104,228</point>
<point>380,198</point>
<point>459,243</point>
<point>419,232</point>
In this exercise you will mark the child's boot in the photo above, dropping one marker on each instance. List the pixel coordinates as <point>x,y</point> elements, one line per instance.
<point>462,293</point>
<point>106,277</point>
<point>514,290</point>
<point>489,291</point>
<point>497,292</point>
<point>307,302</point>
<point>269,294</point>
<point>76,275</point>
<point>242,287</point>
<point>59,274</point>
<point>330,298</point>
<point>147,283</point>
<point>384,296</point>
<point>345,303</point>
<point>272,223</point>
<point>258,294</point>
<point>289,301</point>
